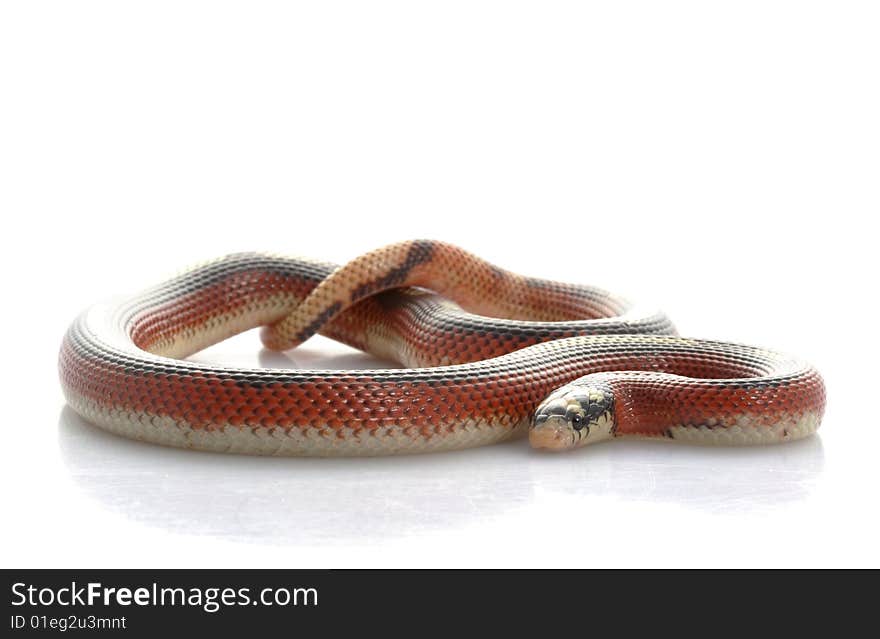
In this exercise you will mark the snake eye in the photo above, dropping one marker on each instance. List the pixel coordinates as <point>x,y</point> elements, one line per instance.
<point>577,421</point>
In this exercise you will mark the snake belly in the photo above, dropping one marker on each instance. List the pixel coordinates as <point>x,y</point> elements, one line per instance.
<point>481,349</point>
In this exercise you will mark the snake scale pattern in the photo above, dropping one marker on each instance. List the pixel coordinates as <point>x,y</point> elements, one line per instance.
<point>487,354</point>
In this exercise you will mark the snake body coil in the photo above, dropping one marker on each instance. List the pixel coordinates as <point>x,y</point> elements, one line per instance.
<point>569,364</point>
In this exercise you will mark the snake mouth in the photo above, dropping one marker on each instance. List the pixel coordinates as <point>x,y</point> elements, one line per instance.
<point>551,432</point>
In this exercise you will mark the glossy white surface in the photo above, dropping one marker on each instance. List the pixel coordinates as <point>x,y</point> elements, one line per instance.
<point>720,162</point>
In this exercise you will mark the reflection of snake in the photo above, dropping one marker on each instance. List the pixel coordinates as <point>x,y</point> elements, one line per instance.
<point>578,363</point>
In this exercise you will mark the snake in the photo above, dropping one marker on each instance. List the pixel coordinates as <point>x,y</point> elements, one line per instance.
<point>482,355</point>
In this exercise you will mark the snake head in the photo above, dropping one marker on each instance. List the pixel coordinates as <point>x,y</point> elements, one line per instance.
<point>573,416</point>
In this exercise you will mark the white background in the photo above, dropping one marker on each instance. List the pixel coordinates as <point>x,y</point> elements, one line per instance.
<point>720,159</point>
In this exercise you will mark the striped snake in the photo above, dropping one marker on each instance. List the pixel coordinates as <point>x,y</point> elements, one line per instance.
<point>488,355</point>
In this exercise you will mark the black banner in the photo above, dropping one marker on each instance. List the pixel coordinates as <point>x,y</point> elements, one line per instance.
<point>144,602</point>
